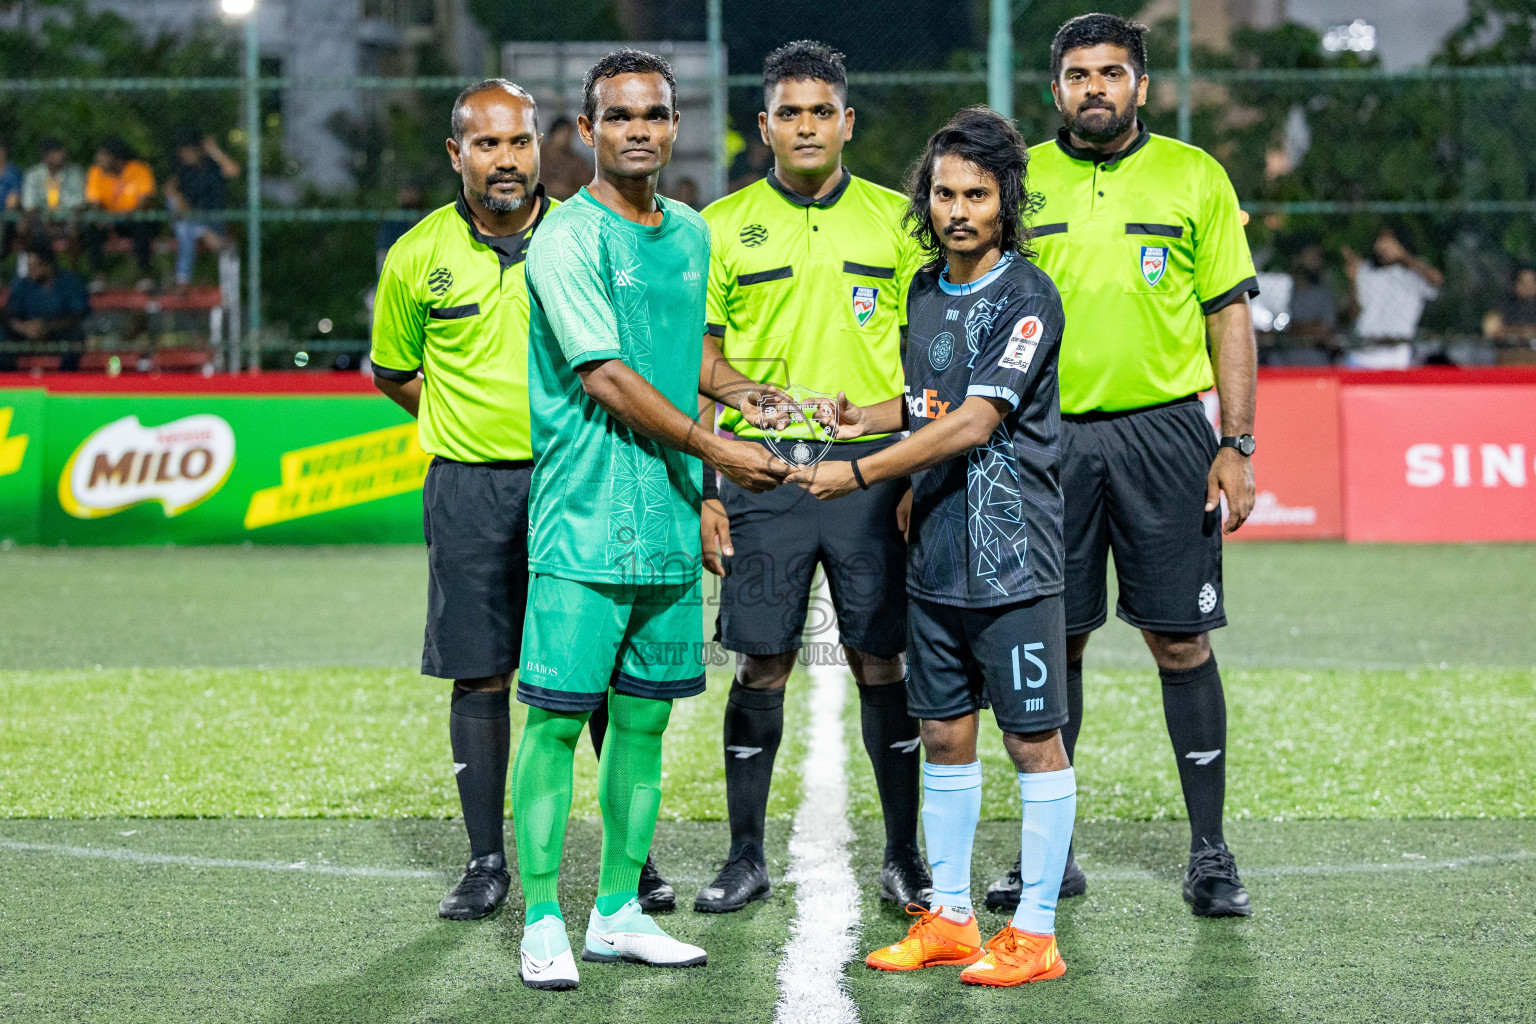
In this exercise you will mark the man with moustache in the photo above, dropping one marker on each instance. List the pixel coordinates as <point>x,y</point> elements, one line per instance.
<point>1144,239</point>
<point>450,347</point>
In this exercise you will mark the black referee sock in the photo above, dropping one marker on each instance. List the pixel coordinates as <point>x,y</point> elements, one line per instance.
<point>597,728</point>
<point>892,739</point>
<point>1074,708</point>
<point>1196,712</point>
<point>480,731</point>
<point>754,724</point>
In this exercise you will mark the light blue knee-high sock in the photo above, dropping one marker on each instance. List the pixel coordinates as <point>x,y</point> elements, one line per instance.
<point>951,809</point>
<point>1050,807</point>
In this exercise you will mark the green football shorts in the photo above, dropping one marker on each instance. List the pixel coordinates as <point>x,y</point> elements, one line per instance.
<point>581,638</point>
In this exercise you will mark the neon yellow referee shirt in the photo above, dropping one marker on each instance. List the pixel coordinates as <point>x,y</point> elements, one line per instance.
<point>811,292</point>
<point>453,304</point>
<point>1143,247</point>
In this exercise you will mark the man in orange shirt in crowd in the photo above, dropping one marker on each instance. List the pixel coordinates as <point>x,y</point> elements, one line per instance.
<point>119,182</point>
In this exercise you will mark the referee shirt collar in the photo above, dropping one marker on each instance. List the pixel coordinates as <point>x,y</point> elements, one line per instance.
<point>826,201</point>
<point>1064,140</point>
<point>510,249</point>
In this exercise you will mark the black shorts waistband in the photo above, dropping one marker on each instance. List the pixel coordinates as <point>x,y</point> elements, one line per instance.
<point>1098,415</point>
<point>438,460</point>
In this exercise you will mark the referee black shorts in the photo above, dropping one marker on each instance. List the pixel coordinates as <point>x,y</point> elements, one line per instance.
<point>779,537</point>
<point>1135,483</point>
<point>476,523</point>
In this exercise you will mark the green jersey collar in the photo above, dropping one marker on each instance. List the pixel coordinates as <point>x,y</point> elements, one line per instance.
<point>510,249</point>
<point>826,201</point>
<point>1064,140</point>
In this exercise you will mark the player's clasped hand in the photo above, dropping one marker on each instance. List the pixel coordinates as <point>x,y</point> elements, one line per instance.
<point>847,418</point>
<point>1232,473</point>
<point>752,467</point>
<point>825,480</point>
<point>768,408</point>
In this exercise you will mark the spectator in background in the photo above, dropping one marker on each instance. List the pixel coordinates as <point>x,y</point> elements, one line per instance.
<point>562,170</point>
<point>1314,309</point>
<point>685,190</point>
<point>55,187</point>
<point>47,304</point>
<point>198,181</point>
<point>411,198</point>
<point>52,192</point>
<point>10,196</point>
<point>1513,320</point>
<point>1391,293</point>
<point>751,164</point>
<point>119,182</point>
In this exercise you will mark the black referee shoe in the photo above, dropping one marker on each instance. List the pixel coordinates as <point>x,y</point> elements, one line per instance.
<point>741,881</point>
<point>904,878</point>
<point>1004,893</point>
<point>655,892</point>
<point>1211,885</point>
<point>482,889</point>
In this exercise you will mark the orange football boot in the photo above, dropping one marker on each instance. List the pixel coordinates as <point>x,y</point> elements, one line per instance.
<point>1015,957</point>
<point>931,941</point>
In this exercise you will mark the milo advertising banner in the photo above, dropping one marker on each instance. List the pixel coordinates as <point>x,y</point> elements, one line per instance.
<point>209,469</point>
<point>21,465</point>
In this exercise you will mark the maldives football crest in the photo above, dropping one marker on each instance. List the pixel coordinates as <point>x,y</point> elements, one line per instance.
<point>1154,262</point>
<point>864,297</point>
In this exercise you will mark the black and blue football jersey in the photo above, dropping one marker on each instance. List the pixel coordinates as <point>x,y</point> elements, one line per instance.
<point>986,526</point>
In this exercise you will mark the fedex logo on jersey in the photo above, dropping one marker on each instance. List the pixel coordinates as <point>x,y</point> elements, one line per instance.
<point>925,405</point>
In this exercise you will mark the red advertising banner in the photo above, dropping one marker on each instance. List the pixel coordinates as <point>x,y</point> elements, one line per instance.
<point>1296,464</point>
<point>1448,462</point>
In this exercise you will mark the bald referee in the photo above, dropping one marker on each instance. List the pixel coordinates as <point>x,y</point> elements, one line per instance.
<point>450,347</point>
<point>1144,239</point>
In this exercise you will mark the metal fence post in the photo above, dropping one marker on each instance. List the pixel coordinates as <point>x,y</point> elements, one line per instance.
<point>717,97</point>
<point>1185,130</point>
<point>253,186</point>
<point>1000,58</point>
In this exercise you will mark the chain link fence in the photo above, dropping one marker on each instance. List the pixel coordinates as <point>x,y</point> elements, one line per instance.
<point>1326,152</point>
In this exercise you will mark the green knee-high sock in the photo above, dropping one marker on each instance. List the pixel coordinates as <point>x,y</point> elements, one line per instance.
<point>541,803</point>
<point>629,791</point>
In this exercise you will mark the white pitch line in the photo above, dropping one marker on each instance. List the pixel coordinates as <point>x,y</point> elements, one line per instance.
<point>1367,868</point>
<point>825,930</point>
<point>140,857</point>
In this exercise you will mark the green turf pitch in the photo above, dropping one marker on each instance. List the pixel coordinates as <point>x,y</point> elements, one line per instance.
<point>1382,701</point>
<point>1385,921</point>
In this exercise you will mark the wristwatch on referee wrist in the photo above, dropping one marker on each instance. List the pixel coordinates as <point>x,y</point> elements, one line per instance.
<point>1242,442</point>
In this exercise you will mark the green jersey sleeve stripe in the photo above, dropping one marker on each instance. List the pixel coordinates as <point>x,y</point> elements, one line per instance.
<point>1050,229</point>
<point>864,270</point>
<point>398,376</point>
<point>1164,230</point>
<point>454,312</point>
<point>1248,286</point>
<point>762,276</point>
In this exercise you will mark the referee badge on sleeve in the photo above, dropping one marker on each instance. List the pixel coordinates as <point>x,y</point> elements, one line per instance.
<point>1022,344</point>
<point>864,298</point>
<point>1154,262</point>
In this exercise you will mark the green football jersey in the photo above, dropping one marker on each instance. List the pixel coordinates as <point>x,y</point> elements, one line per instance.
<point>1143,247</point>
<point>609,505</point>
<point>811,292</point>
<point>453,304</point>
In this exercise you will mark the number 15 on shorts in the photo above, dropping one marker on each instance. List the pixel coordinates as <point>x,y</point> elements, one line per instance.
<point>1019,682</point>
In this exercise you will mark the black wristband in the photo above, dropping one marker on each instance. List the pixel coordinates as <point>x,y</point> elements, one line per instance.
<point>857,476</point>
<point>711,486</point>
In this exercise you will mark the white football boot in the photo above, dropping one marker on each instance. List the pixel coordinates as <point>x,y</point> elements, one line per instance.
<point>547,960</point>
<point>630,935</point>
